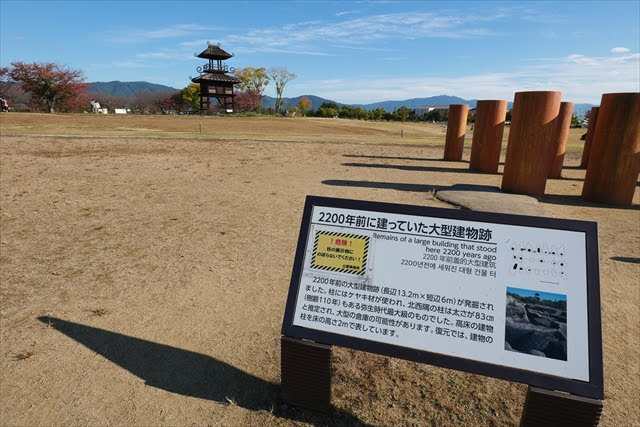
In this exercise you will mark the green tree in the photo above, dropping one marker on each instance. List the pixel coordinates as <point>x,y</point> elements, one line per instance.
<point>575,123</point>
<point>49,84</point>
<point>280,77</point>
<point>434,116</point>
<point>471,118</point>
<point>404,113</point>
<point>378,113</point>
<point>328,104</point>
<point>304,105</point>
<point>346,112</point>
<point>326,112</point>
<point>191,96</point>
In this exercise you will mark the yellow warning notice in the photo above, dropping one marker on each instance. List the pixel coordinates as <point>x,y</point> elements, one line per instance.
<point>340,252</point>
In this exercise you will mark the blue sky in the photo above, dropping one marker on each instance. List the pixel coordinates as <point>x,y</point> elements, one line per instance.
<point>349,51</point>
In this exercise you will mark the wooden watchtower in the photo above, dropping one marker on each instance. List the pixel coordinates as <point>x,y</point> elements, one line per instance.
<point>215,82</point>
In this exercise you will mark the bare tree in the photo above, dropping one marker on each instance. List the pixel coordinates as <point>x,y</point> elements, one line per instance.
<point>280,76</point>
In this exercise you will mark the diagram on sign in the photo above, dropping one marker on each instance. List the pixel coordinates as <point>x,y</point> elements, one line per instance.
<point>340,252</point>
<point>539,259</point>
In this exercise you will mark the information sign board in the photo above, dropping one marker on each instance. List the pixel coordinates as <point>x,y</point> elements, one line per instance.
<point>513,297</point>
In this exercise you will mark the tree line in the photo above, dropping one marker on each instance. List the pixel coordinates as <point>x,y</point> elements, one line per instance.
<point>50,87</point>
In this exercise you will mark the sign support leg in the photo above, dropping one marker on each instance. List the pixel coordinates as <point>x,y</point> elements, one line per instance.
<point>306,374</point>
<point>552,408</point>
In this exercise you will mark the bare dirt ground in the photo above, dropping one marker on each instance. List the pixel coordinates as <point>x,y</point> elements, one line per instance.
<point>144,279</point>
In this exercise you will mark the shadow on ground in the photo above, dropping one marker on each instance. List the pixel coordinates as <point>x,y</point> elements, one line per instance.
<point>418,159</point>
<point>191,374</point>
<point>557,199</point>
<point>415,168</point>
<point>628,259</point>
<point>419,188</point>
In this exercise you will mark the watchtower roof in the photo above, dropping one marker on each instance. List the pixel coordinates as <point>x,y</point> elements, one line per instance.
<point>216,77</point>
<point>214,52</point>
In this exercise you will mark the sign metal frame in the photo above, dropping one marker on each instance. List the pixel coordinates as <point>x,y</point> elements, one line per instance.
<point>594,388</point>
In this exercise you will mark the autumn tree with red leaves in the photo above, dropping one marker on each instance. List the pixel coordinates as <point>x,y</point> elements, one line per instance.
<point>248,100</point>
<point>253,82</point>
<point>50,84</point>
<point>304,105</point>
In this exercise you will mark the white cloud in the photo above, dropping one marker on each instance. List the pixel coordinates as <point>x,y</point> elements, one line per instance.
<point>347,13</point>
<point>620,50</point>
<point>200,43</point>
<point>131,35</point>
<point>581,79</point>
<point>324,37</point>
<point>581,60</point>
<point>634,57</point>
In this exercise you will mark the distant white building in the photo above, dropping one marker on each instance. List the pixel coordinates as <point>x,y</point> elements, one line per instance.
<point>421,111</point>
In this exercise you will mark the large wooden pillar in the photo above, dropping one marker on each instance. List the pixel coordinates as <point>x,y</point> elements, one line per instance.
<point>456,128</point>
<point>487,135</point>
<point>529,151</point>
<point>593,119</point>
<point>560,138</point>
<point>614,162</point>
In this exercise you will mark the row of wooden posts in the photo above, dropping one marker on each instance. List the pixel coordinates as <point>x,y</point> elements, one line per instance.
<point>537,141</point>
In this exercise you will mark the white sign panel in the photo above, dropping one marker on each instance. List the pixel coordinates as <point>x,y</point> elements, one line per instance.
<point>501,294</point>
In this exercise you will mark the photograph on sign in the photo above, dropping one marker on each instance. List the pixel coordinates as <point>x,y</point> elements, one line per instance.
<point>502,294</point>
<point>536,323</point>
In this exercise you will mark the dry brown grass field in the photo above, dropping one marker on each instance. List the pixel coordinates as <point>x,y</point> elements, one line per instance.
<point>145,268</point>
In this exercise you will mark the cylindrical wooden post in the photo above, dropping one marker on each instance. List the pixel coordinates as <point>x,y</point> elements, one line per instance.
<point>593,119</point>
<point>614,162</point>
<point>456,128</point>
<point>529,150</point>
<point>487,135</point>
<point>560,138</point>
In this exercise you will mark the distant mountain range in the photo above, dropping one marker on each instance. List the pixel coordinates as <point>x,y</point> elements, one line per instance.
<point>316,101</point>
<point>117,88</point>
<point>432,101</point>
